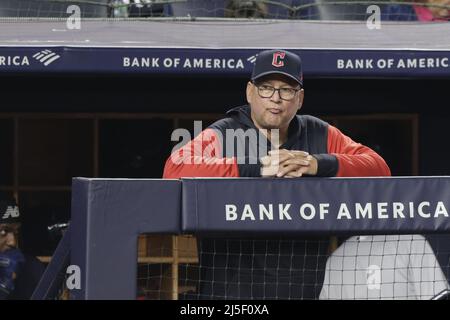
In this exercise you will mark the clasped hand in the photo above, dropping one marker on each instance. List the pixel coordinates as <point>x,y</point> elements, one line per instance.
<point>288,164</point>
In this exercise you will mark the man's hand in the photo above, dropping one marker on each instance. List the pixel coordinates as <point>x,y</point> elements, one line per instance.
<point>288,164</point>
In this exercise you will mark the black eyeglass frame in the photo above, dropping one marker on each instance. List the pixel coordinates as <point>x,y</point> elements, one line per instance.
<point>275,89</point>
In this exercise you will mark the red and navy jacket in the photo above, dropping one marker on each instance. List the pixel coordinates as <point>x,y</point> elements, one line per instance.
<point>257,268</point>
<point>337,155</point>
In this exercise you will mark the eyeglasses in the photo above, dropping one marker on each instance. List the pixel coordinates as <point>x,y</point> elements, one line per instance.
<point>266,91</point>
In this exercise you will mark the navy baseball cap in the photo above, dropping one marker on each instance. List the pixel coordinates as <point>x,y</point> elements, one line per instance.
<point>9,211</point>
<point>278,61</point>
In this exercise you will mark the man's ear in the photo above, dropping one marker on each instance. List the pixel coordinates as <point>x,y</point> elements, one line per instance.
<point>301,96</point>
<point>248,92</point>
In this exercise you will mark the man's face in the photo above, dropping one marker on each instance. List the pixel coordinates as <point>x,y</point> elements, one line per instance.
<point>273,112</point>
<point>8,236</point>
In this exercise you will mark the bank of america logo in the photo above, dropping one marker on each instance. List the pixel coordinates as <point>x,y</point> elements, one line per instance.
<point>46,57</point>
<point>252,59</point>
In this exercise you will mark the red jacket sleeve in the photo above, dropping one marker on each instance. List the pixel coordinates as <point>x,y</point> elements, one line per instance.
<point>355,159</point>
<point>200,158</point>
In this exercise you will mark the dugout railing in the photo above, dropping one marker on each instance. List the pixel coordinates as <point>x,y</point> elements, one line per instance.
<point>108,215</point>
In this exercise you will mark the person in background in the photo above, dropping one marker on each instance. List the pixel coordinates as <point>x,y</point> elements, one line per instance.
<point>383,267</point>
<point>19,273</point>
<point>436,10</point>
<point>245,9</point>
<point>422,10</point>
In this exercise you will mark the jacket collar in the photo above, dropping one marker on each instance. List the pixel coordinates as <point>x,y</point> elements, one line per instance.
<point>242,114</point>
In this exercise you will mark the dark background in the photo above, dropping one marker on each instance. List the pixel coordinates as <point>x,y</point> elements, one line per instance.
<point>52,151</point>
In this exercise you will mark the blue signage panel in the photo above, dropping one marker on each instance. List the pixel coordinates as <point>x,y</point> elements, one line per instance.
<point>314,205</point>
<point>317,62</point>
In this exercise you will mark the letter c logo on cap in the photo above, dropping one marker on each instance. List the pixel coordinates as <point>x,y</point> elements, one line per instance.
<point>278,59</point>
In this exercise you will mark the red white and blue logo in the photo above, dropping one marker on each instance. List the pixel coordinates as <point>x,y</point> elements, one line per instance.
<point>278,58</point>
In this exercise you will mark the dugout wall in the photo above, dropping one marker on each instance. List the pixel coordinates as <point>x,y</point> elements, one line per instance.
<point>108,216</point>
